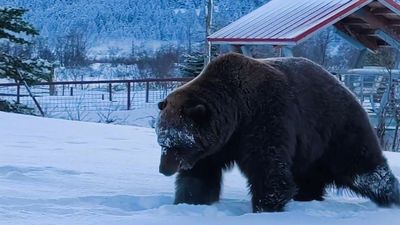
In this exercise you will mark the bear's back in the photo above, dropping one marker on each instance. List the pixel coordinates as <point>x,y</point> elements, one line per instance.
<point>320,100</point>
<point>312,83</point>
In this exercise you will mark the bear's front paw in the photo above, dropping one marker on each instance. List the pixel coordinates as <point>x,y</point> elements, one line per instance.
<point>260,206</point>
<point>191,190</point>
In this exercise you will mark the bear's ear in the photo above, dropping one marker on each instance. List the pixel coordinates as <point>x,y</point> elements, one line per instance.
<point>197,112</point>
<point>162,104</point>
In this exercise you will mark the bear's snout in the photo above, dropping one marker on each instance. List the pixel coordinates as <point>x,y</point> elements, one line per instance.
<point>169,163</point>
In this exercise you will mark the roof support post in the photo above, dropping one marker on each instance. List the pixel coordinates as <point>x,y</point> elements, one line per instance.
<point>388,39</point>
<point>345,31</point>
<point>359,62</point>
<point>241,49</point>
<point>284,51</point>
<point>246,50</point>
<point>287,51</point>
<point>349,39</point>
<point>235,48</point>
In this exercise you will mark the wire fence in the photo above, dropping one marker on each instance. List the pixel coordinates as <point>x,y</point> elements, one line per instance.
<point>114,95</point>
<point>104,95</point>
<point>101,100</point>
<point>134,94</point>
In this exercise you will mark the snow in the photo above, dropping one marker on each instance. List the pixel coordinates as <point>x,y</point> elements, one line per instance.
<point>68,172</point>
<point>123,47</point>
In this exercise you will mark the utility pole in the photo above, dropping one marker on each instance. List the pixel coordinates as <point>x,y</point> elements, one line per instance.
<point>209,11</point>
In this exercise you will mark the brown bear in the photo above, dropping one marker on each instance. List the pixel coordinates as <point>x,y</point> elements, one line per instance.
<point>288,124</point>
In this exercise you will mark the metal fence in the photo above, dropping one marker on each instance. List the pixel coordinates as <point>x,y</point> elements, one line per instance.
<point>372,86</point>
<point>369,86</point>
<point>96,100</point>
<point>104,95</point>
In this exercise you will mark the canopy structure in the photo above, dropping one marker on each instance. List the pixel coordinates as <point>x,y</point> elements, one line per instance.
<point>365,23</point>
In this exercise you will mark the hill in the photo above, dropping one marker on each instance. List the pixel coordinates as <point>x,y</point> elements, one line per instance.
<point>103,21</point>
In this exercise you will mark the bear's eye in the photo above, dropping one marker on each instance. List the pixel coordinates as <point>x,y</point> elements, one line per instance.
<point>196,112</point>
<point>162,104</point>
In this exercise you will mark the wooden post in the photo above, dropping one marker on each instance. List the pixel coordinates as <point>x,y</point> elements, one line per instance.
<point>147,92</point>
<point>110,92</point>
<point>31,94</point>
<point>286,51</point>
<point>351,40</point>
<point>52,87</point>
<point>18,92</point>
<point>395,137</point>
<point>246,50</point>
<point>359,62</point>
<point>129,96</point>
<point>388,39</point>
<point>71,91</point>
<point>235,48</point>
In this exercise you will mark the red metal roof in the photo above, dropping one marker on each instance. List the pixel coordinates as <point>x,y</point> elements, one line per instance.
<point>286,22</point>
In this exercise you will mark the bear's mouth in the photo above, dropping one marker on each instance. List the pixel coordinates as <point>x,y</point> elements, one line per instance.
<point>171,162</point>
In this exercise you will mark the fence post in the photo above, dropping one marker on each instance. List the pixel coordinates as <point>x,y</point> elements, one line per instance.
<point>110,91</point>
<point>18,92</point>
<point>147,91</point>
<point>129,95</point>
<point>72,91</point>
<point>362,89</point>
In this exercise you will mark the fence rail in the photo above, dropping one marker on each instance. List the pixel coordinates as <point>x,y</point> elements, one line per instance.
<point>105,95</point>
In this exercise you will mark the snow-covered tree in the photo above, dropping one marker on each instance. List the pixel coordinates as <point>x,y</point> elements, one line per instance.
<point>14,29</point>
<point>180,21</point>
<point>71,49</point>
<point>192,64</point>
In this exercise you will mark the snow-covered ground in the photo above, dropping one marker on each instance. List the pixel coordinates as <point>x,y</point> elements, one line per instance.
<point>71,173</point>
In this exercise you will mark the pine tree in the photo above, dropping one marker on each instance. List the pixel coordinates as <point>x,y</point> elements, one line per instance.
<point>14,29</point>
<point>192,65</point>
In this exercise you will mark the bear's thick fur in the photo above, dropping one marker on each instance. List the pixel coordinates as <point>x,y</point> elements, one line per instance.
<point>288,124</point>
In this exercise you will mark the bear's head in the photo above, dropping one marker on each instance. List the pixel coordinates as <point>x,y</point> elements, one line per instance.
<point>188,130</point>
<point>197,119</point>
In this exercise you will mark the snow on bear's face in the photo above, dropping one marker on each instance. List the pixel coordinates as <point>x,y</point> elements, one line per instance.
<point>185,132</point>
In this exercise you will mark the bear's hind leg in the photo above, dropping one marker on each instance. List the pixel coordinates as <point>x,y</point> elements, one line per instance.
<point>311,186</point>
<point>199,185</point>
<point>380,185</point>
<point>309,190</point>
